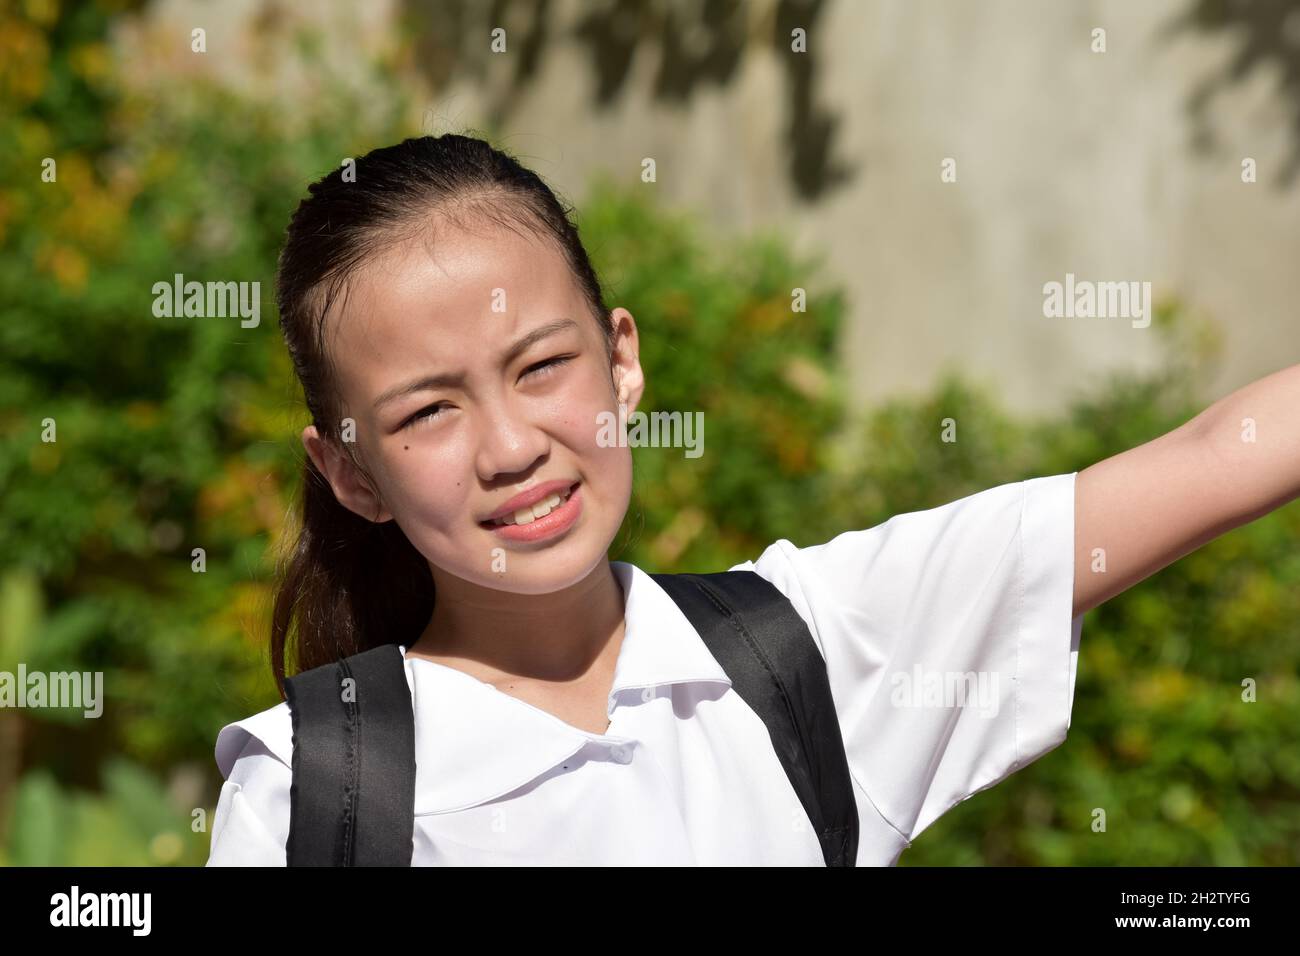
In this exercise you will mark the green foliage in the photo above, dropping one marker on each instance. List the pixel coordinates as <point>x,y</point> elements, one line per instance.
<point>718,336</point>
<point>175,434</point>
<point>172,434</point>
<point>131,822</point>
<point>1160,739</point>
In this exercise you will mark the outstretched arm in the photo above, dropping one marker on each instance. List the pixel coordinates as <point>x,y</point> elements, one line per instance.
<point>1148,506</point>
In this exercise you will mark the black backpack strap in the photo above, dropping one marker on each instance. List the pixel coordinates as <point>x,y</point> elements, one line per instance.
<point>764,646</point>
<point>352,801</point>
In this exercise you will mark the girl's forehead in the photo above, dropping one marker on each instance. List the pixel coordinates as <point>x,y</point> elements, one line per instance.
<point>460,272</point>
<point>445,300</point>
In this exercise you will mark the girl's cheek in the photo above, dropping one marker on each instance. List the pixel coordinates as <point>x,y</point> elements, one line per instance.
<point>432,479</point>
<point>569,422</point>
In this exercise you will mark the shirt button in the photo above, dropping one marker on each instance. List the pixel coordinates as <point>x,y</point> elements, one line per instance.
<point>621,753</point>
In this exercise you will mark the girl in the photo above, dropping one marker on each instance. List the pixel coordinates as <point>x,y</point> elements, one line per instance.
<point>457,356</point>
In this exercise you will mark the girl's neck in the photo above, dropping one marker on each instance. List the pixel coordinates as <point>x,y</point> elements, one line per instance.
<point>559,637</point>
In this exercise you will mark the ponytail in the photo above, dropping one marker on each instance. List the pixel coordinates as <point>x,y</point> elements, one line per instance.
<point>350,584</point>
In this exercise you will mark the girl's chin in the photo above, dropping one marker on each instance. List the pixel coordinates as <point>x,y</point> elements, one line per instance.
<point>524,577</point>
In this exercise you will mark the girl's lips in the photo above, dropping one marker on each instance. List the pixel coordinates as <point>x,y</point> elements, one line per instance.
<point>557,522</point>
<point>530,498</point>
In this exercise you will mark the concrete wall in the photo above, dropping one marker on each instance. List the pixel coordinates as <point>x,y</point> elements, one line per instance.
<point>1067,160</point>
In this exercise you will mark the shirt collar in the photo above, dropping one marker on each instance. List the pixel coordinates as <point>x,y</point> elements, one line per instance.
<point>474,743</point>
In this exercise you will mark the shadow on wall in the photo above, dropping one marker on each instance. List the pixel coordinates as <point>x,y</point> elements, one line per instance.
<point>1269,35</point>
<point>705,43</point>
<point>696,44</point>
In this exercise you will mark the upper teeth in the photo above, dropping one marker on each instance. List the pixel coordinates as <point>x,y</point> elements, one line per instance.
<point>539,510</point>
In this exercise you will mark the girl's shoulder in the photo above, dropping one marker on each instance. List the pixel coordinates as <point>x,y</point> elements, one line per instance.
<point>272,727</point>
<point>269,731</point>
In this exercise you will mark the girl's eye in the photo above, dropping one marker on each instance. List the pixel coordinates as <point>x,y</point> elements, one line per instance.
<point>428,414</point>
<point>545,368</point>
<point>424,414</point>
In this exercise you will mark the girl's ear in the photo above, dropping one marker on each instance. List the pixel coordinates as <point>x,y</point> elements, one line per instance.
<point>628,377</point>
<point>350,488</point>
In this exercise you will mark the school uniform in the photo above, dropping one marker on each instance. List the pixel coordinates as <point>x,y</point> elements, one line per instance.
<point>686,773</point>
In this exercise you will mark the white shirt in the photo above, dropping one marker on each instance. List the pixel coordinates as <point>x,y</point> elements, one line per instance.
<point>686,773</point>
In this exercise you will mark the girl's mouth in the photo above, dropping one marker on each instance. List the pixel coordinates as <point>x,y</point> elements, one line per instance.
<point>550,516</point>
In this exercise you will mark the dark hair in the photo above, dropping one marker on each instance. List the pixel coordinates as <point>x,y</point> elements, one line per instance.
<point>346,584</point>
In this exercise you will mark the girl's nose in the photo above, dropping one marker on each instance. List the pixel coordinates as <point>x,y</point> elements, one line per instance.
<point>508,442</point>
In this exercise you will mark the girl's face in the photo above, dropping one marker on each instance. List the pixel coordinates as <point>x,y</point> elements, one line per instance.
<point>473,370</point>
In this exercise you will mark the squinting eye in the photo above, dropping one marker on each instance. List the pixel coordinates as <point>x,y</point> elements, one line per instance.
<point>545,368</point>
<point>421,415</point>
<point>428,414</point>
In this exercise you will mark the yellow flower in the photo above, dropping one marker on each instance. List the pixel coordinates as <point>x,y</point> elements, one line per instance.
<point>66,264</point>
<point>92,61</point>
<point>23,58</point>
<point>42,12</point>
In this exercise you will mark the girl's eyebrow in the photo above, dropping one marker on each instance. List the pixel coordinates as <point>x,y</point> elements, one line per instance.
<point>447,380</point>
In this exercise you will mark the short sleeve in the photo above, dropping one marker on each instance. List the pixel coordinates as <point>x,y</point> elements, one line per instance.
<point>251,824</point>
<point>949,641</point>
